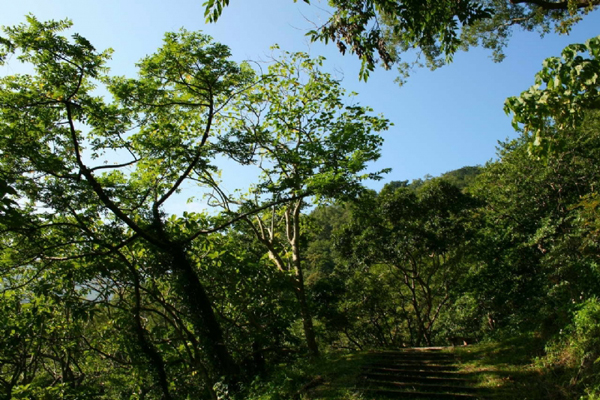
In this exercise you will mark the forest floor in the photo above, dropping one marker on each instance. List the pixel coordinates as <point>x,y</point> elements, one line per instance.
<point>511,370</point>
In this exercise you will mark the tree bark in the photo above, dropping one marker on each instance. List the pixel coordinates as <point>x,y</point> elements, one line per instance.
<point>292,230</point>
<point>307,323</point>
<point>204,319</point>
<point>156,360</point>
<point>293,233</point>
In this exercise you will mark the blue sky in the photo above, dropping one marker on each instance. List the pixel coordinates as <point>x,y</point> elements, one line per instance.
<point>443,120</point>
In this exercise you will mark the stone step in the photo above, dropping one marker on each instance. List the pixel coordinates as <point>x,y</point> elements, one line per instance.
<point>423,387</point>
<point>413,360</point>
<point>414,366</point>
<point>417,379</point>
<point>415,354</point>
<point>401,394</point>
<point>414,372</point>
<point>409,360</point>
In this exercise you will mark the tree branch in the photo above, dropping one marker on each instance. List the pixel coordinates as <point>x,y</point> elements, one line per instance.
<point>97,188</point>
<point>562,5</point>
<point>242,216</point>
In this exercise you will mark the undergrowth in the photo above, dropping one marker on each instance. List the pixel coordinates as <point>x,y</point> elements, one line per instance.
<point>331,377</point>
<point>528,367</point>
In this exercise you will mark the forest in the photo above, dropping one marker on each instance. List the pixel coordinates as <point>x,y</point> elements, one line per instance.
<point>105,293</point>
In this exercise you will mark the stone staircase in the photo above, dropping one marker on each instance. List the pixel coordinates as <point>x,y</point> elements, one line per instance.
<point>415,373</point>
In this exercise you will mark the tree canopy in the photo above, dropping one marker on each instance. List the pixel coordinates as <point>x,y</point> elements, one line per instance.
<point>107,293</point>
<point>380,31</point>
<point>90,178</point>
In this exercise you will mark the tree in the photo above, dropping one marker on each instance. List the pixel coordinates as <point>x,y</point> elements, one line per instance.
<point>100,225</point>
<point>54,127</point>
<point>541,194</point>
<point>463,177</point>
<point>383,31</point>
<point>534,263</point>
<point>421,238</point>
<point>307,143</point>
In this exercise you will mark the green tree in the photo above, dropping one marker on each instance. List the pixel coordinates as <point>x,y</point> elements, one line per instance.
<point>420,237</point>
<point>307,143</point>
<point>463,177</point>
<point>535,263</point>
<point>541,195</point>
<point>101,226</point>
<point>59,140</point>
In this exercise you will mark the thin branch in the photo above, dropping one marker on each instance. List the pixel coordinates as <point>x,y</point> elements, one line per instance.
<point>562,5</point>
<point>242,216</point>
<point>104,198</point>
<point>114,166</point>
<point>193,163</point>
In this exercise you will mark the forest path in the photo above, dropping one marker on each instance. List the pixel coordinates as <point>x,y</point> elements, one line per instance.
<point>415,373</point>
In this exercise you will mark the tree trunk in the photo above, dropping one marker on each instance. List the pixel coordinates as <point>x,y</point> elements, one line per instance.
<point>156,360</point>
<point>309,331</point>
<point>292,230</point>
<point>204,319</point>
<point>293,233</point>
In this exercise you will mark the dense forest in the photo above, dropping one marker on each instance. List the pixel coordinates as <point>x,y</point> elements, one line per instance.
<point>106,294</point>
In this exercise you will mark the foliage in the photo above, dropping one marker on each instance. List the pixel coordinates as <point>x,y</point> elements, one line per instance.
<point>104,294</point>
<point>384,31</point>
<point>508,369</point>
<point>586,326</point>
<point>355,25</point>
<point>172,304</point>
<point>304,132</point>
<point>463,177</point>
<point>565,91</point>
<point>306,142</point>
<point>333,376</point>
<point>412,249</point>
<point>576,350</point>
<point>64,158</point>
<point>530,242</point>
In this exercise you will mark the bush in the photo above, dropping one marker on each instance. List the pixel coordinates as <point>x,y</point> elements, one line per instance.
<point>577,352</point>
<point>585,336</point>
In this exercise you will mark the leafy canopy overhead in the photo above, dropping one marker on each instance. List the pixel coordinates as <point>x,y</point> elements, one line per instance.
<point>383,30</point>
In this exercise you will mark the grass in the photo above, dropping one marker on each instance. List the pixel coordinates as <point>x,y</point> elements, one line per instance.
<point>514,369</point>
<point>332,377</point>
<point>338,378</point>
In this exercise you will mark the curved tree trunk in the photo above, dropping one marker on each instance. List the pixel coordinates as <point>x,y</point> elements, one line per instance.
<point>266,235</point>
<point>203,317</point>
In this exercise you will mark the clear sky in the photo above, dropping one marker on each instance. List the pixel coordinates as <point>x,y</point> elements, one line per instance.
<point>443,120</point>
